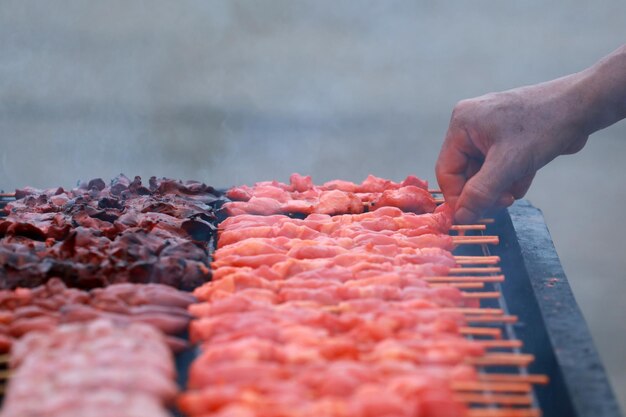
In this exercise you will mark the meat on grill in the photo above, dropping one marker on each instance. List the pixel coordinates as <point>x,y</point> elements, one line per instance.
<point>43,308</point>
<point>383,222</point>
<point>93,369</point>
<point>341,388</point>
<point>335,197</point>
<point>329,315</point>
<point>96,235</point>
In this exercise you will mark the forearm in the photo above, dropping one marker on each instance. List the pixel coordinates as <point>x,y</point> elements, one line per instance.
<point>602,91</point>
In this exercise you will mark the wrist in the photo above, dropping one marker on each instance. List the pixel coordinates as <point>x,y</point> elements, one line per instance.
<point>601,92</point>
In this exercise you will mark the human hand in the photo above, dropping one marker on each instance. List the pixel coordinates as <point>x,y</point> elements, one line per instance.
<point>496,143</point>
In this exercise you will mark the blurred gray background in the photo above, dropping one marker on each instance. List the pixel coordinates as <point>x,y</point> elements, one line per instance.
<point>234,92</point>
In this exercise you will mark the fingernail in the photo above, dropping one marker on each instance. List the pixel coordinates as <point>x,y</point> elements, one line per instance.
<point>505,200</point>
<point>465,216</point>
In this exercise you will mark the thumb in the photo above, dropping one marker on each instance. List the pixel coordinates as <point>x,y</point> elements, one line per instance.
<point>483,190</point>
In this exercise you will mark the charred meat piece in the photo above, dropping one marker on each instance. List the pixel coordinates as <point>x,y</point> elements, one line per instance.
<point>96,235</point>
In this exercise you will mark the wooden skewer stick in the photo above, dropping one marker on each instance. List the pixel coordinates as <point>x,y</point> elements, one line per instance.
<point>494,332</point>
<point>470,240</point>
<point>434,190</point>
<point>529,378</point>
<point>480,239</point>
<point>503,399</point>
<point>466,278</point>
<point>465,311</point>
<point>504,359</point>
<point>477,270</point>
<point>464,227</point>
<point>491,319</point>
<point>475,237</point>
<point>477,260</point>
<point>486,221</point>
<point>491,386</point>
<point>439,200</point>
<point>7,195</point>
<point>500,344</point>
<point>465,285</point>
<point>487,294</point>
<point>473,310</point>
<point>503,412</point>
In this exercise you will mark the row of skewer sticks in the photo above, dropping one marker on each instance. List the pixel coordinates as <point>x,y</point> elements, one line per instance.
<point>496,394</point>
<point>511,393</point>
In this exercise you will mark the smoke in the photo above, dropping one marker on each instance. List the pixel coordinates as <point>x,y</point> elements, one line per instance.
<point>236,91</point>
<point>230,91</point>
<point>225,92</point>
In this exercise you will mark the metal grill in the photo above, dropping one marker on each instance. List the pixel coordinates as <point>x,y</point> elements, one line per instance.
<point>534,305</point>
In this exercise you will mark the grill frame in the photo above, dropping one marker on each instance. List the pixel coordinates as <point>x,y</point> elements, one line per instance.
<point>551,324</point>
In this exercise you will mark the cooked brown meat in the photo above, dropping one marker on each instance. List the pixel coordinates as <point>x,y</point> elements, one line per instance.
<point>96,235</point>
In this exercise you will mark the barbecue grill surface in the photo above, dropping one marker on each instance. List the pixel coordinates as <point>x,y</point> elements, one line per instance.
<point>550,322</point>
<point>550,325</point>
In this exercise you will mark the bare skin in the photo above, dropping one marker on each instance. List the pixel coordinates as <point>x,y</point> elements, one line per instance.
<point>497,142</point>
